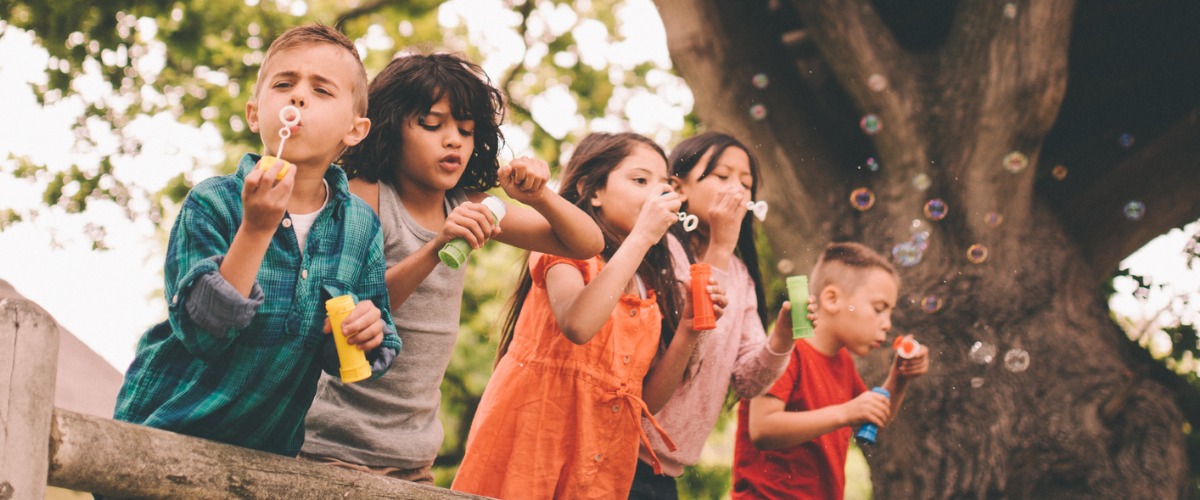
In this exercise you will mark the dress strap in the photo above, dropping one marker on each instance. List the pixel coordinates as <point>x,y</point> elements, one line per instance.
<point>637,410</point>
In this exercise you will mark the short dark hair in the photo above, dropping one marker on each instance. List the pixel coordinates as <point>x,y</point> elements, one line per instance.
<point>407,89</point>
<point>844,264</point>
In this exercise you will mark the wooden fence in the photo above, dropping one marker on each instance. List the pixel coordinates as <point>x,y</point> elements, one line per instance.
<point>41,445</point>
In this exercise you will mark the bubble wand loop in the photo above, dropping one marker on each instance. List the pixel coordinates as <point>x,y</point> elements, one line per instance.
<point>759,208</point>
<point>290,116</point>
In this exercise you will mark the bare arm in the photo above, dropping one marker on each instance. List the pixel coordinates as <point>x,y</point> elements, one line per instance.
<point>772,427</point>
<point>581,310</point>
<point>554,226</point>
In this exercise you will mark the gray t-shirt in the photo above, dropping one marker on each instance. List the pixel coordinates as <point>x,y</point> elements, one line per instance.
<point>392,421</point>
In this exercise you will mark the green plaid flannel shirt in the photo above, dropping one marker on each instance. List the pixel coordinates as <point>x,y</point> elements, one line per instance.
<point>251,381</point>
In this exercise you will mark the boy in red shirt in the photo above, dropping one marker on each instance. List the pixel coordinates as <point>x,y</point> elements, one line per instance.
<point>792,441</point>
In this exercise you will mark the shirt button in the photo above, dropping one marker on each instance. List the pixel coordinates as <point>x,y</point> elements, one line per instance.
<point>175,299</point>
<point>598,457</point>
<point>632,313</point>
<point>304,274</point>
<point>616,408</point>
<point>626,359</point>
<point>287,222</point>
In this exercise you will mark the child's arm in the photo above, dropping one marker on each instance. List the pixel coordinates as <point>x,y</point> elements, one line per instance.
<point>264,201</point>
<point>772,427</point>
<point>666,374</point>
<point>554,226</point>
<point>902,372</point>
<point>581,310</point>
<point>760,363</point>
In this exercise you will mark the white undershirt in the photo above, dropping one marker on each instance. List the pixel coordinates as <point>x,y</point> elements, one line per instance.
<point>301,223</point>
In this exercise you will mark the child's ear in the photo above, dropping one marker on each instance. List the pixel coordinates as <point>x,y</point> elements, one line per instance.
<point>252,115</point>
<point>595,199</point>
<point>675,182</point>
<point>358,131</point>
<point>829,300</point>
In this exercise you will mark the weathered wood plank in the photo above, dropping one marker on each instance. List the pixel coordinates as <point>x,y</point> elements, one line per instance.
<point>28,355</point>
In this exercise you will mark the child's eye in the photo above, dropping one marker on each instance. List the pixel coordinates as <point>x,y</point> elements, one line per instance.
<point>466,133</point>
<point>281,85</point>
<point>641,180</point>
<point>323,91</point>
<point>427,126</point>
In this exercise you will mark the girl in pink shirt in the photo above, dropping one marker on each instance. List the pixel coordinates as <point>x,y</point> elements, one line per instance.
<point>719,177</point>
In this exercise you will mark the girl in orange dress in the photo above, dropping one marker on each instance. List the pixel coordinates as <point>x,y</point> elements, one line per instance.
<point>590,347</point>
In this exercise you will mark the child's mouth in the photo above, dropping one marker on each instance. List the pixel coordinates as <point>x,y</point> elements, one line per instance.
<point>450,162</point>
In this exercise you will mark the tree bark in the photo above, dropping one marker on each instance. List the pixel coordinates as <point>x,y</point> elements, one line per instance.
<point>1089,416</point>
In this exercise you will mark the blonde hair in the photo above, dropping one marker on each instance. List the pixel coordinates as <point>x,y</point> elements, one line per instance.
<point>313,34</point>
<point>845,265</point>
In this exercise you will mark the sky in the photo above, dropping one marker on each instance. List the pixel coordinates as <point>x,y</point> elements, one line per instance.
<point>109,298</point>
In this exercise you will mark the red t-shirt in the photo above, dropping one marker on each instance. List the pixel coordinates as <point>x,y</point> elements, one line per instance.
<point>816,469</point>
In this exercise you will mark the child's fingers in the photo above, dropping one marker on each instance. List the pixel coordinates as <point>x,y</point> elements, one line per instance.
<point>327,328</point>
<point>471,221</point>
<point>357,326</point>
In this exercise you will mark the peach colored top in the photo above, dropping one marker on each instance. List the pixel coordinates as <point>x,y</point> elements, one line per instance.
<point>558,419</point>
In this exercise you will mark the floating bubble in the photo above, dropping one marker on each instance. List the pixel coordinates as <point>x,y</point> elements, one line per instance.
<point>760,81</point>
<point>993,219</point>
<point>872,165</point>
<point>758,112</point>
<point>1010,10</point>
<point>936,209</point>
<point>1125,141</point>
<point>907,253</point>
<point>1059,172</point>
<point>785,266</point>
<point>977,253</point>
<point>862,199</point>
<point>977,382</point>
<point>982,353</point>
<point>877,82</point>
<point>916,223</point>
<point>1015,162</point>
<point>931,304</point>
<point>870,124</point>
<point>1135,210</point>
<point>921,181</point>
<point>921,238</point>
<point>1016,360</point>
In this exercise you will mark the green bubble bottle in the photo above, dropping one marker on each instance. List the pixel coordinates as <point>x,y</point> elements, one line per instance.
<point>454,253</point>
<point>797,287</point>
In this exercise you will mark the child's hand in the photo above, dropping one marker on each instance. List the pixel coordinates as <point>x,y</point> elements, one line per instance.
<point>870,406</point>
<point>913,367</point>
<point>470,221</point>
<point>725,217</point>
<point>716,293</point>
<point>659,212</point>
<point>812,310</point>
<point>265,199</point>
<point>363,326</point>
<point>524,179</point>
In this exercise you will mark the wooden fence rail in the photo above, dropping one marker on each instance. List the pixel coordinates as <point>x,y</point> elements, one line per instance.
<point>41,445</point>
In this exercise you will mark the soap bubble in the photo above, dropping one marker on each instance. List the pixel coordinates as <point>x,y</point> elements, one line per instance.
<point>877,82</point>
<point>785,266</point>
<point>870,124</point>
<point>907,253</point>
<point>977,382</point>
<point>1125,141</point>
<point>921,181</point>
<point>872,165</point>
<point>1059,172</point>
<point>1015,162</point>
<point>977,253</point>
<point>862,199</point>
<point>921,238</point>
<point>758,112</point>
<point>982,353</point>
<point>936,209</point>
<point>760,81</point>
<point>1016,360</point>
<point>993,219</point>
<point>1135,210</point>
<point>931,304</point>
<point>1010,10</point>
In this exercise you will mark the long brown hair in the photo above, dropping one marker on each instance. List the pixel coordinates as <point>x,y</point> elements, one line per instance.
<point>594,158</point>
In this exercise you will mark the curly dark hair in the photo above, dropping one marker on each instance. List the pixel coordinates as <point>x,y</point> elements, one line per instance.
<point>406,89</point>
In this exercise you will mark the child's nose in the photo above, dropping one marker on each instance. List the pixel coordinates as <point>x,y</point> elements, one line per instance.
<point>297,100</point>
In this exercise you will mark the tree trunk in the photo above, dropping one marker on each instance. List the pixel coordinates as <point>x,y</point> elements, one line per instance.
<point>1064,406</point>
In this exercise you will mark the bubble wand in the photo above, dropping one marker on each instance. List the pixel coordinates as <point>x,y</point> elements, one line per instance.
<point>759,208</point>
<point>290,116</point>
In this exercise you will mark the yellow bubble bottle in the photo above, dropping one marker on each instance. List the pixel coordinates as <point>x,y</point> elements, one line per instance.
<point>353,360</point>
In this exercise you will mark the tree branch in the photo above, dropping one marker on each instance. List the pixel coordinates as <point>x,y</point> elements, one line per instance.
<point>1162,176</point>
<point>357,12</point>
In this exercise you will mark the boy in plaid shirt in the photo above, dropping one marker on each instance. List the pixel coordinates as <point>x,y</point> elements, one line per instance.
<point>254,255</point>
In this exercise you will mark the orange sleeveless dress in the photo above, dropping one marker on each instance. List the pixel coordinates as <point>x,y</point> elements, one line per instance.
<point>560,420</point>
